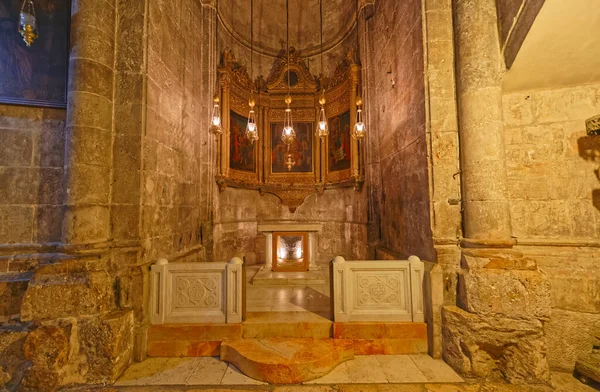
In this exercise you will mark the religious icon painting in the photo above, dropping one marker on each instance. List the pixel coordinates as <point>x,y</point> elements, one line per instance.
<point>340,143</point>
<point>301,148</point>
<point>241,155</point>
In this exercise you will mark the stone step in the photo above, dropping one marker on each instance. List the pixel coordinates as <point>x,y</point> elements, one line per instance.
<point>286,325</point>
<point>286,360</point>
<point>384,338</point>
<point>190,340</point>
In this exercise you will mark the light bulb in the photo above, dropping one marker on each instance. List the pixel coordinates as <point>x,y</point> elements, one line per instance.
<point>216,121</point>
<point>322,125</point>
<point>288,130</point>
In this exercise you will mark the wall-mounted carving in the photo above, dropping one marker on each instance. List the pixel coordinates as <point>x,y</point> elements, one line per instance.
<point>320,164</point>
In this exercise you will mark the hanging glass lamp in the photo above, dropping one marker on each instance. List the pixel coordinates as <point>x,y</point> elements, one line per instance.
<point>27,22</point>
<point>323,127</point>
<point>288,134</point>
<point>215,121</point>
<point>360,130</point>
<point>251,129</point>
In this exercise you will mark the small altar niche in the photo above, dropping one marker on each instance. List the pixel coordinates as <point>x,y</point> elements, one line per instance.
<point>290,254</point>
<point>291,247</point>
<point>318,163</point>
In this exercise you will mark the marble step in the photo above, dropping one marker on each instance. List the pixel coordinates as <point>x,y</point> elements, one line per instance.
<point>286,360</point>
<point>190,340</point>
<point>384,338</point>
<point>286,325</point>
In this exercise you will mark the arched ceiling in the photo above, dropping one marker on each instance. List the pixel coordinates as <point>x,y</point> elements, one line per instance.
<point>270,23</point>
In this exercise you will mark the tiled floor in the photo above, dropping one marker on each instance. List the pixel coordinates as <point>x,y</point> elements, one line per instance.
<point>289,297</point>
<point>376,369</point>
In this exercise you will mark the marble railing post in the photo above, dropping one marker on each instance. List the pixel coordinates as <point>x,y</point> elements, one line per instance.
<point>88,147</point>
<point>479,76</point>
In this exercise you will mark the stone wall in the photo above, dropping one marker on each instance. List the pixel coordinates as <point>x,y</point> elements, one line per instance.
<point>555,207</point>
<point>396,106</point>
<point>177,149</point>
<point>31,174</point>
<point>342,212</point>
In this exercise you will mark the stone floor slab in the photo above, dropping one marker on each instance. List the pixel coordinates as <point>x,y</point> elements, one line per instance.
<point>435,370</point>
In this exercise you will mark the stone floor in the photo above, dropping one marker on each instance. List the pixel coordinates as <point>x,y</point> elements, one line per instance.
<point>376,369</point>
<point>562,382</point>
<point>288,295</point>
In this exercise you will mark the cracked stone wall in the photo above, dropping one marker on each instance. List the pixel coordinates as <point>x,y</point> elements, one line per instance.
<point>555,207</point>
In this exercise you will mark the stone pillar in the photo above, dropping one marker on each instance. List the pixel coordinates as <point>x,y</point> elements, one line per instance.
<point>312,251</point>
<point>268,249</point>
<point>481,129</point>
<point>88,149</point>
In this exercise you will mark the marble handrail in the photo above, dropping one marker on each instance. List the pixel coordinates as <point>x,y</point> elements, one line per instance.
<point>196,292</point>
<point>378,290</point>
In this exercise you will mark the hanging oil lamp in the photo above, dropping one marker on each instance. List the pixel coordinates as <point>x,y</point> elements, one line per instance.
<point>251,129</point>
<point>288,134</point>
<point>215,121</point>
<point>359,127</point>
<point>27,23</point>
<point>322,128</point>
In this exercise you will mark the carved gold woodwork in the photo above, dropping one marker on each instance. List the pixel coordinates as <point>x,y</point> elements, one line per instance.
<point>292,187</point>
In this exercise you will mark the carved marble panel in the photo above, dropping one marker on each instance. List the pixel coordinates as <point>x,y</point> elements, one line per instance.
<point>196,292</point>
<point>389,290</point>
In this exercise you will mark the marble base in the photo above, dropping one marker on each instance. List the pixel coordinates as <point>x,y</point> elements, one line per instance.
<point>266,277</point>
<point>286,361</point>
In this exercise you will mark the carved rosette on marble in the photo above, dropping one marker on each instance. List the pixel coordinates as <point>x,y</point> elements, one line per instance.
<point>375,290</point>
<point>195,292</point>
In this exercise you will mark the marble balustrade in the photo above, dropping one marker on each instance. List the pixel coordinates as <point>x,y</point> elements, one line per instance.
<point>196,292</point>
<point>390,290</point>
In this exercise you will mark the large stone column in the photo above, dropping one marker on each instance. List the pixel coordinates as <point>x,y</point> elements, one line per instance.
<point>89,123</point>
<point>478,71</point>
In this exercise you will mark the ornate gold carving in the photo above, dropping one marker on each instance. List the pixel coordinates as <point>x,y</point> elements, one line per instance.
<point>277,79</point>
<point>292,198</point>
<point>236,85</point>
<point>306,114</point>
<point>237,72</point>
